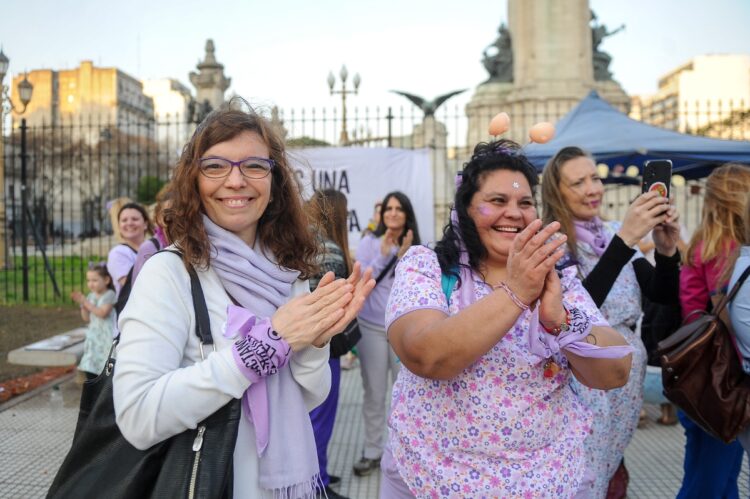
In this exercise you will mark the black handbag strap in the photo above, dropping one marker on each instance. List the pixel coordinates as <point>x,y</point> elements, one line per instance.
<point>130,248</point>
<point>202,322</point>
<point>387,269</point>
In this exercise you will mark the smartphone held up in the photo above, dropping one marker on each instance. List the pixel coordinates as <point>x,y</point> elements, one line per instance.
<point>657,176</point>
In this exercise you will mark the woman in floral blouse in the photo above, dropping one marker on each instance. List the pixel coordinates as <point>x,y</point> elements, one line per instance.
<point>489,334</point>
<point>615,274</point>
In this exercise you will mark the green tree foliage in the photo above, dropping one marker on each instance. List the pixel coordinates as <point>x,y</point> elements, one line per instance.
<point>148,187</point>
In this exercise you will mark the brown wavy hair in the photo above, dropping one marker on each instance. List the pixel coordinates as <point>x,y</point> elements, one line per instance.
<point>722,226</point>
<point>282,228</point>
<point>328,212</point>
<point>554,207</point>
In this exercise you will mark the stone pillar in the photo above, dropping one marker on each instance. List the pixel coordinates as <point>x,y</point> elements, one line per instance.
<point>210,82</point>
<point>552,54</point>
<point>551,41</point>
<point>433,135</point>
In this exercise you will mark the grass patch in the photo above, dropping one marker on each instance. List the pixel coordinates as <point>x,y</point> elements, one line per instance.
<point>69,272</point>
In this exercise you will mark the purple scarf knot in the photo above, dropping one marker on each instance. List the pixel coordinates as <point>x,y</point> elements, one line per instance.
<point>592,233</point>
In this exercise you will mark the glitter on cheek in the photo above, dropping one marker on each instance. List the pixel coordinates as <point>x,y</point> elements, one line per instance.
<point>484,210</point>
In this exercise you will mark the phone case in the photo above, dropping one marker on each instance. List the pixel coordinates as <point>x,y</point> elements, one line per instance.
<point>657,176</point>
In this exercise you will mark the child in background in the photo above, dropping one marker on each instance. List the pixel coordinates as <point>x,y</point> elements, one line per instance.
<point>96,309</point>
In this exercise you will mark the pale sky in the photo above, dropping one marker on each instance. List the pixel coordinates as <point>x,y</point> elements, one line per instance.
<point>280,51</point>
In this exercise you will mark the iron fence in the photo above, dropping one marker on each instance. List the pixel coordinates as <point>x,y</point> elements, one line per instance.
<point>73,169</point>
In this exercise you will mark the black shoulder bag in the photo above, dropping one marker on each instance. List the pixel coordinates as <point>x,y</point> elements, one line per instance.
<point>702,372</point>
<point>194,463</point>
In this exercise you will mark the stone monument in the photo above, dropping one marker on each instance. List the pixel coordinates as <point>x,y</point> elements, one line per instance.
<point>210,84</point>
<point>542,65</point>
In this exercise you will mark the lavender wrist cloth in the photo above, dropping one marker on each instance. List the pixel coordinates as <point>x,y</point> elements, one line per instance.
<point>259,352</point>
<point>545,345</point>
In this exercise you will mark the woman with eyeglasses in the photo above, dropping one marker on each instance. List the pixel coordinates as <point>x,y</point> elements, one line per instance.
<point>236,217</point>
<point>615,274</point>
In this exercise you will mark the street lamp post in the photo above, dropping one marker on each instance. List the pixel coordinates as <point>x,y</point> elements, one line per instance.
<point>344,74</point>
<point>25,90</point>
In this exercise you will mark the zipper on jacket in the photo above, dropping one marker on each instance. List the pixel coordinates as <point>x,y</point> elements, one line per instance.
<point>197,444</point>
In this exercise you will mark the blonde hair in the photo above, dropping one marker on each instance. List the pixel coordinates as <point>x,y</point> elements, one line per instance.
<point>723,218</point>
<point>554,207</point>
<point>732,260</point>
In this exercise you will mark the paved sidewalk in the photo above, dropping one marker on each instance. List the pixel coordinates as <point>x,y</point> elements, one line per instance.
<point>36,434</point>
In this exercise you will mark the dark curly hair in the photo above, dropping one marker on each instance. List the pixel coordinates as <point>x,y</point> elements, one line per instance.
<point>487,157</point>
<point>282,228</point>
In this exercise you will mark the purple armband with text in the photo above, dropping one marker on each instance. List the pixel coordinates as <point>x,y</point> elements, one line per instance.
<point>259,351</point>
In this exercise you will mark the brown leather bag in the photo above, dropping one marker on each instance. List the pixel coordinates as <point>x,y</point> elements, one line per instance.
<point>702,372</point>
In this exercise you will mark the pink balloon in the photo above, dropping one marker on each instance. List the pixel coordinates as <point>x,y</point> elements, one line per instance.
<point>542,133</point>
<point>499,124</point>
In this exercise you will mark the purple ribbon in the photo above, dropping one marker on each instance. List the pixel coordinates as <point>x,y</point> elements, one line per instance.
<point>545,345</point>
<point>259,352</point>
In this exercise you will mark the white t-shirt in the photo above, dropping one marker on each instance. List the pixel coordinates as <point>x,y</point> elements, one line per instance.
<point>120,260</point>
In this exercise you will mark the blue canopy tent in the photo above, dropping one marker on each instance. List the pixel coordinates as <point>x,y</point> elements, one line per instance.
<point>614,139</point>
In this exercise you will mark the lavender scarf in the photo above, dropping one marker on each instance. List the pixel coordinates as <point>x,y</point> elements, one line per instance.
<point>592,233</point>
<point>287,451</point>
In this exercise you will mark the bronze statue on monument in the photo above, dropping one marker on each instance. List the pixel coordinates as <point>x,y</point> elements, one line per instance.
<point>498,57</point>
<point>601,59</point>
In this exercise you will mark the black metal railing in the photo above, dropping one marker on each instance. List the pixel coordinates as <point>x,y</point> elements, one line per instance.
<point>72,169</point>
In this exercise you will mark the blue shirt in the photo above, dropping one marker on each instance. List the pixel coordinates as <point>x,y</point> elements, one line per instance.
<point>739,308</point>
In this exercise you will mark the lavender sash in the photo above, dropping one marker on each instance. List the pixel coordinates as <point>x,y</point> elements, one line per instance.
<point>592,233</point>
<point>285,439</point>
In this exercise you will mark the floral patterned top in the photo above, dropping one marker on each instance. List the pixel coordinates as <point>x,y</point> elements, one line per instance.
<point>622,307</point>
<point>500,428</point>
<point>98,341</point>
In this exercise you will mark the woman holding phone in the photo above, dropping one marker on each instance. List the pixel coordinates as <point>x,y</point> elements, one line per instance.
<point>615,274</point>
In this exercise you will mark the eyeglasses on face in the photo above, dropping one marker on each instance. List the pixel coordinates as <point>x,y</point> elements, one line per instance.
<point>216,167</point>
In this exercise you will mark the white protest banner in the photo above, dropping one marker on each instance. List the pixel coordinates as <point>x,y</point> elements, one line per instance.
<point>365,176</point>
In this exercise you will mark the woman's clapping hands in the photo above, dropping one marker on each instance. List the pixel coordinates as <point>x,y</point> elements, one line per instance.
<point>315,318</point>
<point>532,256</point>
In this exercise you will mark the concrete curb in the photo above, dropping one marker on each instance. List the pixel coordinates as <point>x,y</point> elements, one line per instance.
<point>31,393</point>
